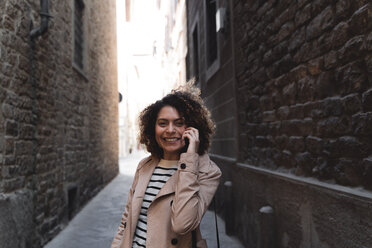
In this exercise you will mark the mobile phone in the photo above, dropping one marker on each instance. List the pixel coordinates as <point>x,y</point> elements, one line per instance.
<point>187,142</point>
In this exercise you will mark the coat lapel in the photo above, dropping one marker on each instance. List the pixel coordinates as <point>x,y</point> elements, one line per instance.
<point>168,188</point>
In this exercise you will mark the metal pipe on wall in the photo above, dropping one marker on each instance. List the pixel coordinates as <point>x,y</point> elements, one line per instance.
<point>44,14</point>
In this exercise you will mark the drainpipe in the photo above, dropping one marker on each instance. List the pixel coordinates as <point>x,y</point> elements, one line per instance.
<point>44,14</point>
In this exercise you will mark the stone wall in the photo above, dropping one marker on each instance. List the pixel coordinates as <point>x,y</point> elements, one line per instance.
<point>304,80</point>
<point>58,124</point>
<point>301,76</point>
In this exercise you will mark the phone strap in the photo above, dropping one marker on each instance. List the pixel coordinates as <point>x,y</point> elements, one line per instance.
<point>215,219</point>
<point>193,233</point>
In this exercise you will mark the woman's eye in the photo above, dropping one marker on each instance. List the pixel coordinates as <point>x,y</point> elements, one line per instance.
<point>179,124</point>
<point>162,124</point>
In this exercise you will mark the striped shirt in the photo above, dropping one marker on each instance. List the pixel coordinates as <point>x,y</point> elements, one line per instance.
<point>161,174</point>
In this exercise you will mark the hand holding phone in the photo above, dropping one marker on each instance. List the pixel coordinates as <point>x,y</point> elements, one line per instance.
<point>191,139</point>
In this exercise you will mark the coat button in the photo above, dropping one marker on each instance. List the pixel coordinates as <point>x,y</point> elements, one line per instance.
<point>174,241</point>
<point>171,202</point>
<point>183,166</point>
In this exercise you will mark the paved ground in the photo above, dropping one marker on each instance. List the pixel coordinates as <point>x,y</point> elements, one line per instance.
<point>96,223</point>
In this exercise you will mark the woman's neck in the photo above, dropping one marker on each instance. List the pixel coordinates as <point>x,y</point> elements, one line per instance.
<point>171,156</point>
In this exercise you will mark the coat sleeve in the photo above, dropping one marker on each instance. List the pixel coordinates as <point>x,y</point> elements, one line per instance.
<point>194,191</point>
<point>120,232</point>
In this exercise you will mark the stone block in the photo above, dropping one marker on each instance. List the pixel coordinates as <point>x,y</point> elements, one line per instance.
<point>361,20</point>
<point>11,128</point>
<point>324,85</point>
<point>351,50</point>
<point>9,146</point>
<point>296,144</point>
<point>315,66</point>
<point>340,35</point>
<point>304,164</point>
<point>283,112</point>
<point>332,106</point>
<point>367,100</point>
<point>26,131</point>
<point>319,5</point>
<point>348,172</point>
<point>314,144</point>
<point>297,39</point>
<point>305,89</point>
<point>342,9</point>
<point>281,141</point>
<point>269,116</point>
<point>285,31</point>
<point>346,146</point>
<point>23,148</point>
<point>334,127</point>
<point>303,15</point>
<point>297,127</point>
<point>264,141</point>
<point>330,60</point>
<point>297,111</point>
<point>13,184</point>
<point>362,123</point>
<point>351,104</point>
<point>285,159</point>
<point>321,22</point>
<point>351,78</point>
<point>289,93</point>
<point>10,171</point>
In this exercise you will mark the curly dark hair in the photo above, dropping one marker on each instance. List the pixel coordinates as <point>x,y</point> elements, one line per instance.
<point>190,106</point>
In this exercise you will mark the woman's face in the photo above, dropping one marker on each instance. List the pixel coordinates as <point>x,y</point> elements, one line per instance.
<point>169,128</point>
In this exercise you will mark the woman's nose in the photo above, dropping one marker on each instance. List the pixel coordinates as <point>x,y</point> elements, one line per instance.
<point>170,128</point>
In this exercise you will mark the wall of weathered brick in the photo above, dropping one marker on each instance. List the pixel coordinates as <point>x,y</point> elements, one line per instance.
<point>304,78</point>
<point>58,126</point>
<point>302,73</point>
<point>304,82</point>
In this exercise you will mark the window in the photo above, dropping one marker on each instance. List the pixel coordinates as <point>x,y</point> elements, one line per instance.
<point>195,52</point>
<point>79,34</point>
<point>211,7</point>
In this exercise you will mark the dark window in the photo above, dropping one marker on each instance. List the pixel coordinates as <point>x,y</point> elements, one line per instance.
<point>79,33</point>
<point>72,195</point>
<point>211,31</point>
<point>195,54</point>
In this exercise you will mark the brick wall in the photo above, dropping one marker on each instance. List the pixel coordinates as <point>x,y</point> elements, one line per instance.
<point>301,84</point>
<point>58,125</point>
<point>303,76</point>
<point>304,82</point>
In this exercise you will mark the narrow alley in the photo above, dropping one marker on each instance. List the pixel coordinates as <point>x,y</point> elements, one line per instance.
<point>95,225</point>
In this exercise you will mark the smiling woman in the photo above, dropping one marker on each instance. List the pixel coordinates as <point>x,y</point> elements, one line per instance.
<point>173,187</point>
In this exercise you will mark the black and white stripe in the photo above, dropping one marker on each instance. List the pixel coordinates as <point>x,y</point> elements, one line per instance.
<point>159,177</point>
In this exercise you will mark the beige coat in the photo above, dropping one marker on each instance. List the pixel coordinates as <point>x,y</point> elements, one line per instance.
<point>177,209</point>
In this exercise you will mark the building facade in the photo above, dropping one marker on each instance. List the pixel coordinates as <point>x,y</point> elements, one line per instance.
<point>58,119</point>
<point>152,58</point>
<point>289,84</point>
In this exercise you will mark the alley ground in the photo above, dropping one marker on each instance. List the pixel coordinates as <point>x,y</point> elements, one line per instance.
<point>95,225</point>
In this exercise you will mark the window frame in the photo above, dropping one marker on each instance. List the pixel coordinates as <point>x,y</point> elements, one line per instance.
<point>215,65</point>
<point>81,69</point>
<point>195,27</point>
